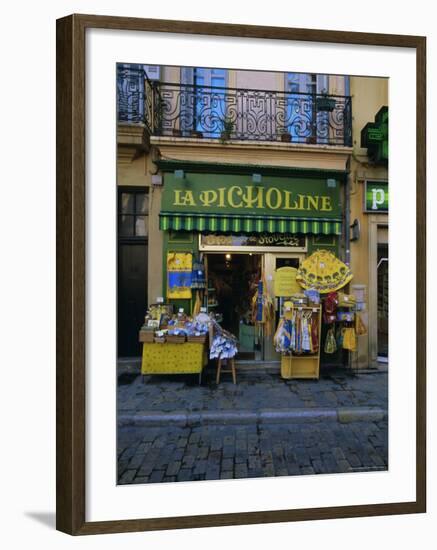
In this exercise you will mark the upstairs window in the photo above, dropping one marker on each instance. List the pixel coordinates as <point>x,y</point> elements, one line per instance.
<point>133,210</point>
<point>204,100</point>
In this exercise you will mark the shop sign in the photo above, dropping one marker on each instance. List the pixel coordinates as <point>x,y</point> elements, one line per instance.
<point>275,196</point>
<point>285,283</point>
<point>376,196</point>
<point>374,137</point>
<point>256,240</point>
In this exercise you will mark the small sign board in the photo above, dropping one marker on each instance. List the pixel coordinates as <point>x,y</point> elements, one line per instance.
<point>285,283</point>
<point>376,196</point>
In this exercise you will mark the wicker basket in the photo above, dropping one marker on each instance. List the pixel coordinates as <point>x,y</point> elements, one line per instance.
<point>201,339</point>
<point>176,338</point>
<point>159,339</point>
<point>147,336</point>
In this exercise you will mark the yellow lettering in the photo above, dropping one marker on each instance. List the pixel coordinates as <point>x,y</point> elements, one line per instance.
<point>184,198</point>
<point>208,197</point>
<point>221,191</point>
<point>289,206</point>
<point>269,194</point>
<point>177,197</point>
<point>238,191</point>
<point>250,199</point>
<point>301,202</point>
<point>326,204</point>
<point>313,202</point>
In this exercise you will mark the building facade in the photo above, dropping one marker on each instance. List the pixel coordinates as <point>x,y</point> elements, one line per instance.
<point>253,171</point>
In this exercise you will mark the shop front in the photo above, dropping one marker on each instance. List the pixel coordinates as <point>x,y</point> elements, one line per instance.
<point>245,233</point>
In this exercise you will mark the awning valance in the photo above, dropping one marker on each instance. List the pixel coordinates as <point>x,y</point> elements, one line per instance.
<point>214,223</point>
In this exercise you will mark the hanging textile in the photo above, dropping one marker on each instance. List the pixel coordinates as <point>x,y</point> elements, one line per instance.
<point>298,333</point>
<point>330,307</point>
<point>324,272</point>
<point>263,310</point>
<point>223,344</point>
<point>179,273</point>
<point>198,279</point>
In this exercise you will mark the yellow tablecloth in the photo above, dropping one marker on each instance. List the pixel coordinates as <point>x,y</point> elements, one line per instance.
<point>173,358</point>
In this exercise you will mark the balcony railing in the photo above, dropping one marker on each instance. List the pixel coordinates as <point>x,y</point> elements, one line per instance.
<point>185,110</point>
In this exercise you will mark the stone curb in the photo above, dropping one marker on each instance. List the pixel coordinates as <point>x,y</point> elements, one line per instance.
<point>263,416</point>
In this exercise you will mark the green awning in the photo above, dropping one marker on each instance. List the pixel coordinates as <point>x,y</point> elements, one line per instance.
<point>214,223</point>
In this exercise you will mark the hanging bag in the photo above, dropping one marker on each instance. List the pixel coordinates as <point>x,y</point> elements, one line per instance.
<point>350,339</point>
<point>360,327</point>
<point>330,343</point>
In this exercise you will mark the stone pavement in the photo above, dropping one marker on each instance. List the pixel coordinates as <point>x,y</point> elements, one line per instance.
<point>172,429</point>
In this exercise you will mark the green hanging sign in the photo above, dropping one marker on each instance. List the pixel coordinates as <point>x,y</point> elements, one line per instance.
<point>374,137</point>
<point>376,196</point>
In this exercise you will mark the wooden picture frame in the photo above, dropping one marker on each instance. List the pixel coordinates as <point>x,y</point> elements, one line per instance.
<point>71,284</point>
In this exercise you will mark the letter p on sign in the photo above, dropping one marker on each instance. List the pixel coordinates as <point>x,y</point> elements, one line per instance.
<point>378,198</point>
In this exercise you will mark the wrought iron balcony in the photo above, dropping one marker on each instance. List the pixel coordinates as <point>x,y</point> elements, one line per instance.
<point>227,114</point>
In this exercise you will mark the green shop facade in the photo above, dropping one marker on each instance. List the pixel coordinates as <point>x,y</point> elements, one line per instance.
<point>243,214</point>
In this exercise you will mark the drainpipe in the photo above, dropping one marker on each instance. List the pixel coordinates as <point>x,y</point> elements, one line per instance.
<point>347,241</point>
<point>347,214</point>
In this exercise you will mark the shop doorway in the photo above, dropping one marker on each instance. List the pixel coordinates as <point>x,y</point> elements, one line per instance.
<point>382,270</point>
<point>232,284</point>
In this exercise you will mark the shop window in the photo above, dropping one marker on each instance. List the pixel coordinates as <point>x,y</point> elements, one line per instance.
<point>133,214</point>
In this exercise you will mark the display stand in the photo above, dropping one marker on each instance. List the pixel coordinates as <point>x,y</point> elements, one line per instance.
<point>304,365</point>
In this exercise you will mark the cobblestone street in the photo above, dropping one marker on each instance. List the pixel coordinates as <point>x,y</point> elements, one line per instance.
<point>171,429</point>
<point>148,455</point>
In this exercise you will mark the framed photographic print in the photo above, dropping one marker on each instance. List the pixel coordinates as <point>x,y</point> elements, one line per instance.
<point>241,175</point>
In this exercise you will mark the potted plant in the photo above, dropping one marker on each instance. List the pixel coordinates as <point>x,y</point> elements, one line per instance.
<point>228,127</point>
<point>325,102</point>
<point>285,135</point>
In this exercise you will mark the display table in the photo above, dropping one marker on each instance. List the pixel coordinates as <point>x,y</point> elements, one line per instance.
<point>169,358</point>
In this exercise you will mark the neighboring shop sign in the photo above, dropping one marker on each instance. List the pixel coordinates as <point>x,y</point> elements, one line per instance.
<point>278,240</point>
<point>285,283</point>
<point>376,196</point>
<point>235,194</point>
<point>179,273</point>
<point>374,137</point>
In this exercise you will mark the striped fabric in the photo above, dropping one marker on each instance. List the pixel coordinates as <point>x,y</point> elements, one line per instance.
<point>212,223</point>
